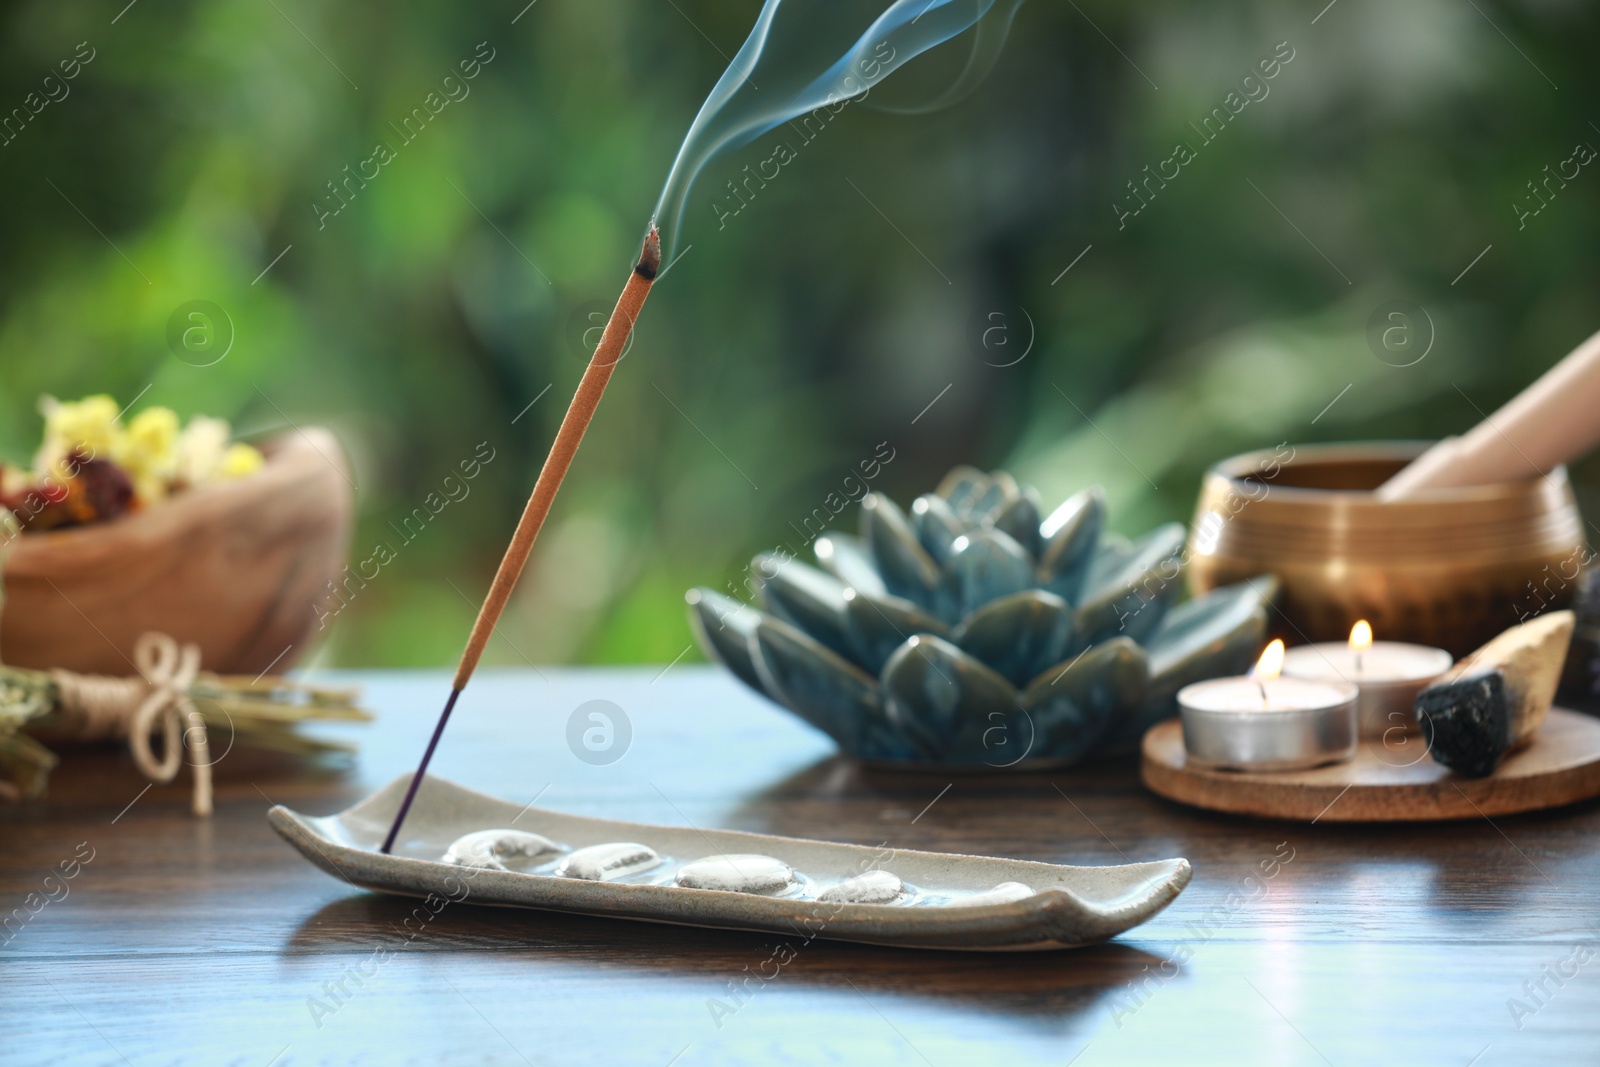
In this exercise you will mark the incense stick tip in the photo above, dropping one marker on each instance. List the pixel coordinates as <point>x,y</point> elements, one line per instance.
<point>650,256</point>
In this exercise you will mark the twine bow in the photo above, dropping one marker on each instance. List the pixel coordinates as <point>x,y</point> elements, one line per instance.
<point>96,707</point>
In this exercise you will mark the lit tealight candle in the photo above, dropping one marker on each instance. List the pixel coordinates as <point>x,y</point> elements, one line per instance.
<point>1265,722</point>
<point>1389,675</point>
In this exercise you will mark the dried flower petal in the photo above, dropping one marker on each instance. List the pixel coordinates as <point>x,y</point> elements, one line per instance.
<point>148,452</point>
<point>241,459</point>
<point>88,425</point>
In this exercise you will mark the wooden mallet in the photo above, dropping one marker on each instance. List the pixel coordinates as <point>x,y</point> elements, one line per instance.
<point>1554,420</point>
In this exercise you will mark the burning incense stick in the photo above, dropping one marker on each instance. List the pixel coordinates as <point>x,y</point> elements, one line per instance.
<point>584,401</point>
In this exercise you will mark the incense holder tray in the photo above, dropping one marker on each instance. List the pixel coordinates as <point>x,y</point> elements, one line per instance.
<point>506,855</point>
<point>972,634</point>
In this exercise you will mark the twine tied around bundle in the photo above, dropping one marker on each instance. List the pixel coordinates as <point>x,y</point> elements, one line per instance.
<point>97,707</point>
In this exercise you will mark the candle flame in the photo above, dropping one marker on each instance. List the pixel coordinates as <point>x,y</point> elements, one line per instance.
<point>1270,663</point>
<point>1360,637</point>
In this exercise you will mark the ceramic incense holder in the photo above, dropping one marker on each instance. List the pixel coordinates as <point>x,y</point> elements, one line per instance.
<point>977,633</point>
<point>464,847</point>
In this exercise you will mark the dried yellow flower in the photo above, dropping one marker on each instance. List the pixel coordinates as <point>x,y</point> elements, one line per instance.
<point>148,451</point>
<point>201,449</point>
<point>152,451</point>
<point>241,459</point>
<point>88,425</point>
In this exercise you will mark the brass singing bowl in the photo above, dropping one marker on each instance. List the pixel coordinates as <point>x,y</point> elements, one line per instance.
<point>1451,568</point>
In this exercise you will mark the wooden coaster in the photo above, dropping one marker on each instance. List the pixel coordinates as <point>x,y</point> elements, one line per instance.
<point>1394,783</point>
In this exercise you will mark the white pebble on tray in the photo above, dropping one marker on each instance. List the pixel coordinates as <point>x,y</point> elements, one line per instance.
<point>492,848</point>
<point>737,874</point>
<point>873,887</point>
<point>601,863</point>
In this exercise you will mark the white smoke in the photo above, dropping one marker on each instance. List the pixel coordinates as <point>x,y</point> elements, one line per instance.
<point>770,81</point>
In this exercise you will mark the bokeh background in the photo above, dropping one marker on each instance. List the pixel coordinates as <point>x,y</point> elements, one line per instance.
<point>905,258</point>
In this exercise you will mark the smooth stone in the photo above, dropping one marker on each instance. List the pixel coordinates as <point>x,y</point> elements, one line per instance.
<point>737,873</point>
<point>1133,598</point>
<point>959,483</point>
<point>904,565</point>
<point>1019,519</point>
<point>880,624</point>
<point>953,706</point>
<point>602,863</point>
<point>1004,893</point>
<point>1070,535</point>
<point>805,597</point>
<point>985,565</point>
<point>1496,699</point>
<point>936,525</point>
<point>1215,635</point>
<point>848,560</point>
<point>723,627</point>
<point>1018,635</point>
<point>1073,706</point>
<point>491,848</point>
<point>824,689</point>
<point>873,887</point>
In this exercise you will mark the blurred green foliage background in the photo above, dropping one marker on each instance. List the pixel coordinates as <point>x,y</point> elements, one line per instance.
<point>455,288</point>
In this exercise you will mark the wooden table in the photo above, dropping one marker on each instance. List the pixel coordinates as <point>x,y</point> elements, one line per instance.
<point>210,941</point>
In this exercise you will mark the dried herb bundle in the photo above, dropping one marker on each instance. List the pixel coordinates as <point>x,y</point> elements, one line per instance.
<point>262,713</point>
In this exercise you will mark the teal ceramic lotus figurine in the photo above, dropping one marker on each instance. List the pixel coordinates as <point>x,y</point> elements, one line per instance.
<point>973,633</point>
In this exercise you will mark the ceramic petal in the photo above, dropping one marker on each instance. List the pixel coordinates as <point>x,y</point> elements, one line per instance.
<point>1074,705</point>
<point>848,560</point>
<point>907,569</point>
<point>984,565</point>
<point>1133,596</point>
<point>1111,553</point>
<point>1070,535</point>
<point>946,701</point>
<point>880,624</point>
<point>1018,635</point>
<point>936,525</point>
<point>804,597</point>
<point>723,627</point>
<point>820,686</point>
<point>959,484</point>
<point>1019,518</point>
<point>989,497</point>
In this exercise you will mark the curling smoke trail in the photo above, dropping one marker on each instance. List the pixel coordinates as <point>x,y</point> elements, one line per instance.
<point>769,81</point>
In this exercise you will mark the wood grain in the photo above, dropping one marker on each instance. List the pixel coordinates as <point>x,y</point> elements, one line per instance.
<point>1389,781</point>
<point>204,941</point>
<point>237,568</point>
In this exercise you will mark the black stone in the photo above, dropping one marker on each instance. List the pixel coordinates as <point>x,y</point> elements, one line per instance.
<point>1466,722</point>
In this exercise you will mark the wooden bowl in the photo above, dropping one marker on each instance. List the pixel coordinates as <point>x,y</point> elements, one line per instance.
<point>236,568</point>
<point>1451,568</point>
